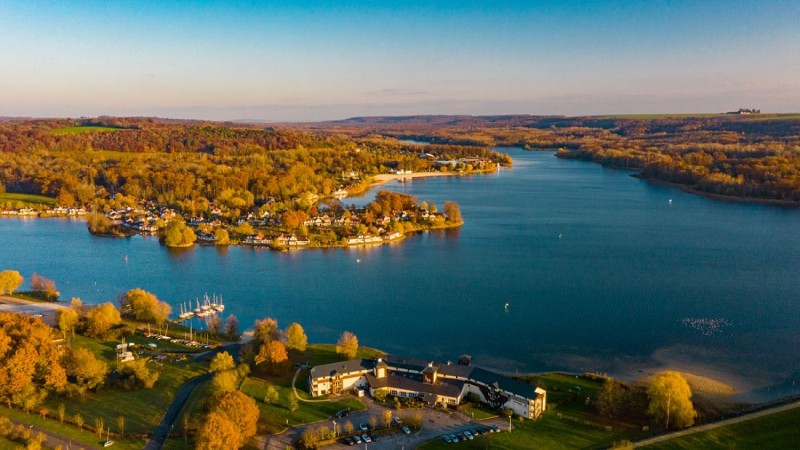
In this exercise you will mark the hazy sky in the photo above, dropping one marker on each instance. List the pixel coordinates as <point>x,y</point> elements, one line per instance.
<point>314,60</point>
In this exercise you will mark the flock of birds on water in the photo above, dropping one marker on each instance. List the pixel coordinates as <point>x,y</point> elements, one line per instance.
<point>706,326</point>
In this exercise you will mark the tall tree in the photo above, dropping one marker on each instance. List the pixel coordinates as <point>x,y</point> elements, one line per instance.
<point>10,281</point>
<point>266,329</point>
<point>296,338</point>
<point>218,432</point>
<point>273,356</point>
<point>347,345</point>
<point>671,400</point>
<point>67,319</point>
<point>45,286</point>
<point>241,409</point>
<point>232,327</point>
<point>86,368</point>
<point>143,305</point>
<point>101,318</point>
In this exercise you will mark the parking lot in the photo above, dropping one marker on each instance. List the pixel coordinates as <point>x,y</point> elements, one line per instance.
<point>435,424</point>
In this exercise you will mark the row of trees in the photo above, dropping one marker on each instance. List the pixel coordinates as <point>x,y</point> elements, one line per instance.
<point>11,280</point>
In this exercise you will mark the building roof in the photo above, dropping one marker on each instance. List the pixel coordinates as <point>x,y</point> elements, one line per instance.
<point>482,376</point>
<point>503,382</point>
<point>451,388</point>
<point>352,365</point>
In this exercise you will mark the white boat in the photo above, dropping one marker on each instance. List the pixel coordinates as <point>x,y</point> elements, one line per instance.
<point>219,307</point>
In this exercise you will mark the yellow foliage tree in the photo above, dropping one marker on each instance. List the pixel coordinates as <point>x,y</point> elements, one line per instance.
<point>296,338</point>
<point>218,432</point>
<point>101,318</point>
<point>671,400</point>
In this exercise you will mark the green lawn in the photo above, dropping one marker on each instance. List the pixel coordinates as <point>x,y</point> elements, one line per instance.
<point>142,408</point>
<point>777,431</point>
<point>27,199</point>
<point>274,417</point>
<point>68,431</point>
<point>5,444</point>
<point>83,129</point>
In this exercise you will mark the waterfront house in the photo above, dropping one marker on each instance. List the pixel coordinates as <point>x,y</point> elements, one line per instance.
<point>432,382</point>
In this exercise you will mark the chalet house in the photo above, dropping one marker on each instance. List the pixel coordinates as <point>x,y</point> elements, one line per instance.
<point>432,382</point>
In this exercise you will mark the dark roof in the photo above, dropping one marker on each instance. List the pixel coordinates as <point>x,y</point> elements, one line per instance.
<point>451,388</point>
<point>477,374</point>
<point>505,383</point>
<point>353,365</point>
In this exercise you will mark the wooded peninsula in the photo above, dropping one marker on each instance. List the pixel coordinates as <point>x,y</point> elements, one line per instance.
<point>225,183</point>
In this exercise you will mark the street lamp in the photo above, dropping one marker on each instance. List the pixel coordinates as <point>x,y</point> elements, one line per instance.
<point>334,428</point>
<point>509,424</point>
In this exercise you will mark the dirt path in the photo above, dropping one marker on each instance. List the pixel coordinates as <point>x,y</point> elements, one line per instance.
<point>714,425</point>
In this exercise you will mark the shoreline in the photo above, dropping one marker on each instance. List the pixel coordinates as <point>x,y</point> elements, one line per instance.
<point>730,198</point>
<point>384,178</point>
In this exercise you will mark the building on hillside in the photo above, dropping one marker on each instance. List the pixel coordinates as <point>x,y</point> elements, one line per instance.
<point>435,383</point>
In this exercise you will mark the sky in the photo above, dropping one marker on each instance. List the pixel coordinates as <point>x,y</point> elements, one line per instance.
<point>319,60</point>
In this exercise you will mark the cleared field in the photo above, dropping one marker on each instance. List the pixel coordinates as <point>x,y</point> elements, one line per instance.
<point>83,129</point>
<point>28,199</point>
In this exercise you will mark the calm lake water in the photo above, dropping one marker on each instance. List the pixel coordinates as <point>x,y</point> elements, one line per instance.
<point>601,272</point>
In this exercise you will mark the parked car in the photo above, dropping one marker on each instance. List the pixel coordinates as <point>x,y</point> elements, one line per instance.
<point>363,427</point>
<point>366,438</point>
<point>396,420</point>
<point>348,441</point>
<point>446,439</point>
<point>357,439</point>
<point>495,429</point>
<point>469,435</point>
<point>406,430</point>
<point>342,413</point>
<point>461,437</point>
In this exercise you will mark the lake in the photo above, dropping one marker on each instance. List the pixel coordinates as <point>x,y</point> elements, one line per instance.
<point>601,272</point>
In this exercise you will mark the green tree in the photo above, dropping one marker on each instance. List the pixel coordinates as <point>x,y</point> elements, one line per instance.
<point>296,338</point>
<point>671,400</point>
<point>347,345</point>
<point>271,396</point>
<point>10,281</point>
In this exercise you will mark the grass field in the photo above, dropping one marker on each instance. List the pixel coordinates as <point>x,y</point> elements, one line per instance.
<point>83,129</point>
<point>71,432</point>
<point>27,199</point>
<point>274,417</point>
<point>776,431</point>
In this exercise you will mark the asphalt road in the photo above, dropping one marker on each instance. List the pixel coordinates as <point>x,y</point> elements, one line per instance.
<point>165,426</point>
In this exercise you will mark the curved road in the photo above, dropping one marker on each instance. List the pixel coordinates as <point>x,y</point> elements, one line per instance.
<point>165,426</point>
